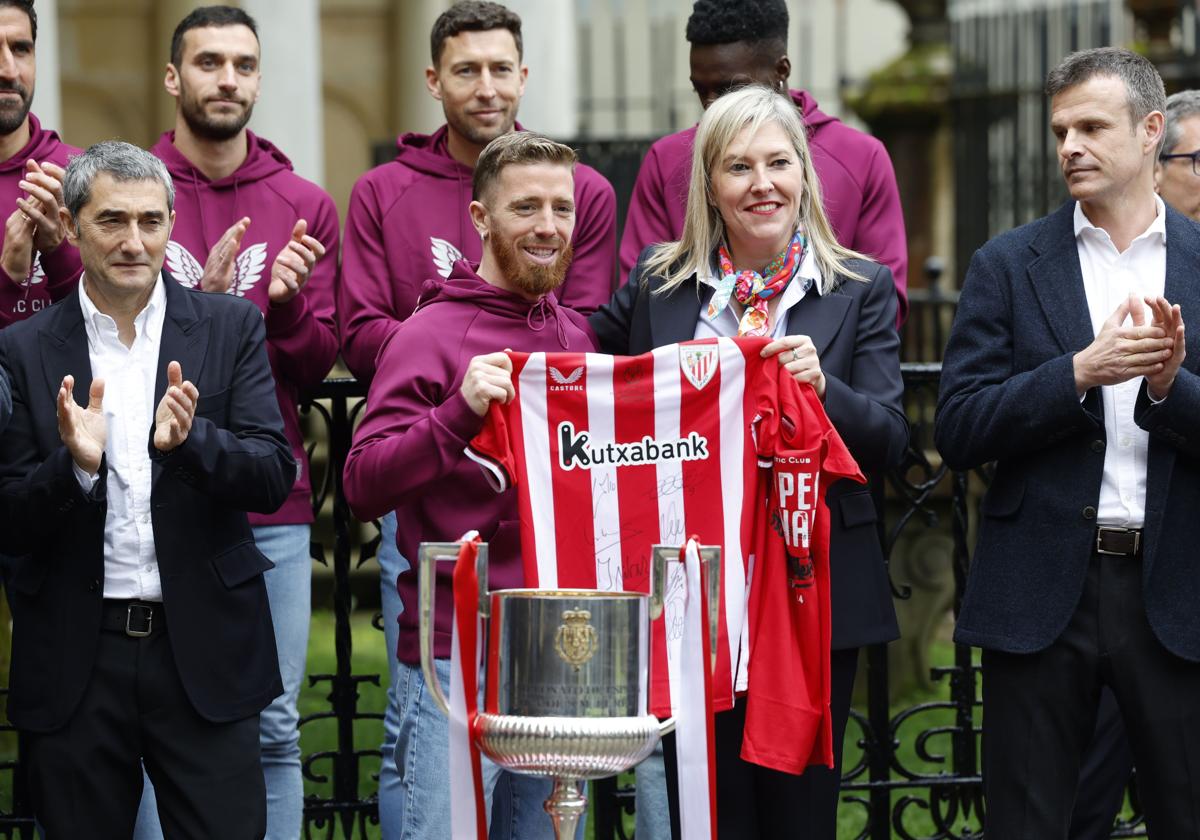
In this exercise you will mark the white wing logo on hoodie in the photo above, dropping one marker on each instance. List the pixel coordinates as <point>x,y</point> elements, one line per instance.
<point>445,255</point>
<point>37,274</point>
<point>246,273</point>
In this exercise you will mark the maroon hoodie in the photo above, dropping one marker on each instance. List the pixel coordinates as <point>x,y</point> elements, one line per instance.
<point>408,450</point>
<point>408,220</point>
<point>301,334</point>
<point>857,182</point>
<point>52,276</point>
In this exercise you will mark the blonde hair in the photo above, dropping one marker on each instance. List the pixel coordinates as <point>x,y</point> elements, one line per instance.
<point>750,107</point>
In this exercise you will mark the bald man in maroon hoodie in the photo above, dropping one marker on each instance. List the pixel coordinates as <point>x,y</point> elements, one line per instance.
<point>247,225</point>
<point>37,265</point>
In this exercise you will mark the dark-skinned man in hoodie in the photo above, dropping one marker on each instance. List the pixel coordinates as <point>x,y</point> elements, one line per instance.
<point>247,225</point>
<point>739,42</point>
<point>437,374</point>
<point>37,264</point>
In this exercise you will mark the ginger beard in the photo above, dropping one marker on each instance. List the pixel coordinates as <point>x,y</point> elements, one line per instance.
<point>536,280</point>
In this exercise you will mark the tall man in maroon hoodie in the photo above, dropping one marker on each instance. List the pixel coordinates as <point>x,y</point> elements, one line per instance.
<point>737,42</point>
<point>37,265</point>
<point>247,225</point>
<point>408,221</point>
<point>437,374</point>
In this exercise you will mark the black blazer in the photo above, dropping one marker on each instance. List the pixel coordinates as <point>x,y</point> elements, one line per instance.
<point>1008,395</point>
<point>234,460</point>
<point>853,329</point>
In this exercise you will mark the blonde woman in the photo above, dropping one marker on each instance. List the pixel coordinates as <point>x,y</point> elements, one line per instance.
<point>758,257</point>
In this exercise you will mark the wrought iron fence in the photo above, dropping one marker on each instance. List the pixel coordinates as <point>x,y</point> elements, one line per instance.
<point>933,795</point>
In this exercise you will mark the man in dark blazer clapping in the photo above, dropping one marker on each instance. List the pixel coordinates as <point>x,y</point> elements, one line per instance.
<point>1067,366</point>
<point>145,426</point>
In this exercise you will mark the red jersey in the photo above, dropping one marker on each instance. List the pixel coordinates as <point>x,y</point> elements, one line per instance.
<point>611,455</point>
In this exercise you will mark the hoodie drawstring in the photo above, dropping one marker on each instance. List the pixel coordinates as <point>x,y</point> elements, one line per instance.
<point>544,308</point>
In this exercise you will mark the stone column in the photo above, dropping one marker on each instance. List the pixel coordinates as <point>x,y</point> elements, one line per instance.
<point>548,30</point>
<point>289,110</point>
<point>414,108</point>
<point>47,93</point>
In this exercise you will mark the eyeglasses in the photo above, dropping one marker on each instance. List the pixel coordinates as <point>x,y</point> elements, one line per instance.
<point>1194,156</point>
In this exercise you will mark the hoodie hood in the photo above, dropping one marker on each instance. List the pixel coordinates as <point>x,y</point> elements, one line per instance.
<point>429,154</point>
<point>813,116</point>
<point>262,161</point>
<point>42,145</point>
<point>465,286</point>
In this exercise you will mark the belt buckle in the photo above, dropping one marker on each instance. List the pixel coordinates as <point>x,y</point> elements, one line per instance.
<point>1137,541</point>
<point>147,612</point>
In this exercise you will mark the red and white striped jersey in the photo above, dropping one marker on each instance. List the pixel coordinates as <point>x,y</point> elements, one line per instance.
<point>612,455</point>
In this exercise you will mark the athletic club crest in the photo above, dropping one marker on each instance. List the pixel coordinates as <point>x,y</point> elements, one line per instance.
<point>698,364</point>
<point>575,642</point>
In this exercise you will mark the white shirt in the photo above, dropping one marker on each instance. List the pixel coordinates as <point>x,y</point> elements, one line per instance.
<point>725,322</point>
<point>129,373</point>
<point>1108,279</point>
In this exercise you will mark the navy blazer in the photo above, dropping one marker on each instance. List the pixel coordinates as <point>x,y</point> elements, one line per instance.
<point>235,459</point>
<point>853,329</point>
<point>1008,395</point>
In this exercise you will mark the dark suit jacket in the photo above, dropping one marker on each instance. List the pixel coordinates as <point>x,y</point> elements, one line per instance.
<point>853,329</point>
<point>1008,395</point>
<point>234,460</point>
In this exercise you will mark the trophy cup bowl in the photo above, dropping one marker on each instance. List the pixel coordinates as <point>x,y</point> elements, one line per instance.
<point>565,687</point>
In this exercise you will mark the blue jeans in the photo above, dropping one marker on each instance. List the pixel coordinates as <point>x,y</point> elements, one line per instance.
<point>289,591</point>
<point>514,802</point>
<point>652,813</point>
<point>391,564</point>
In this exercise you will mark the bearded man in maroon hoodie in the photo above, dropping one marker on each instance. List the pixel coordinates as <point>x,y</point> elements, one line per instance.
<point>37,265</point>
<point>437,374</point>
<point>739,42</point>
<point>408,221</point>
<point>247,225</point>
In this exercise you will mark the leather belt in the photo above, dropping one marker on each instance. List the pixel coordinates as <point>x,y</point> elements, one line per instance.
<point>1123,542</point>
<point>133,618</point>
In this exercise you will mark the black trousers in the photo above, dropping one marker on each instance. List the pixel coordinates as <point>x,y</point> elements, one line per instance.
<point>85,779</point>
<point>757,803</point>
<point>1104,775</point>
<point>1040,714</point>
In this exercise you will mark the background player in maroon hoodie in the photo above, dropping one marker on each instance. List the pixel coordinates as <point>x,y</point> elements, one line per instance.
<point>37,265</point>
<point>736,42</point>
<point>437,374</point>
<point>247,225</point>
<point>408,221</point>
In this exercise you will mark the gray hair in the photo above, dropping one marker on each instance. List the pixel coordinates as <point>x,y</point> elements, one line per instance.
<point>1180,106</point>
<point>122,161</point>
<point>1143,85</point>
<point>750,107</point>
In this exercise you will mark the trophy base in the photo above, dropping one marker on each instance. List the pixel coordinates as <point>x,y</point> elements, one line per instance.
<point>566,747</point>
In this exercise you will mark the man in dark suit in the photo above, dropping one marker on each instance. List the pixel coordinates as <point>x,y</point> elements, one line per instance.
<point>1066,366</point>
<point>141,629</point>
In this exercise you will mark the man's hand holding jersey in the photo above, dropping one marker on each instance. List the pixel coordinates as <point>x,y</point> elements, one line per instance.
<point>487,378</point>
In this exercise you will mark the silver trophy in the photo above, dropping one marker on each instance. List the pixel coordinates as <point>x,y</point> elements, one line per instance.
<point>567,684</point>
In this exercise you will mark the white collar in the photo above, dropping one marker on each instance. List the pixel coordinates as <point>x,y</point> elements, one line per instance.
<point>94,320</point>
<point>1158,227</point>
